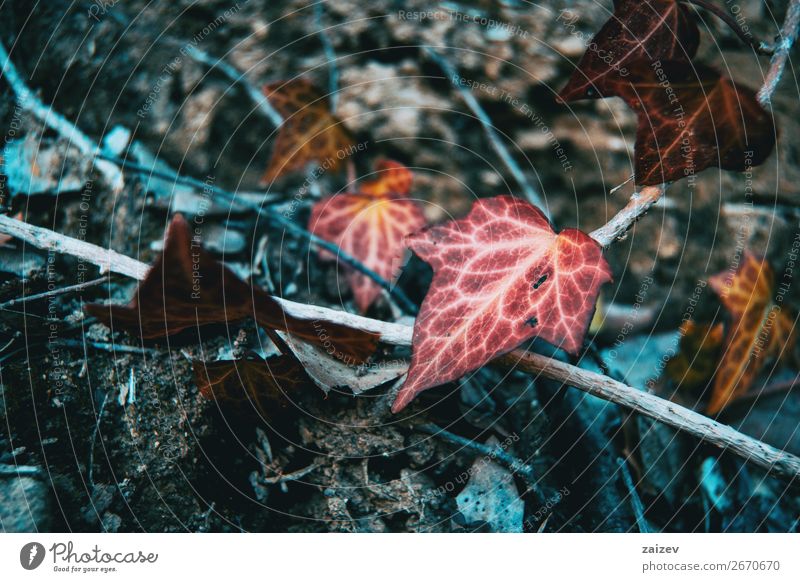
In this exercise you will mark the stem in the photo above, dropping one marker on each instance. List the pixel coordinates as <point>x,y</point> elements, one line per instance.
<point>513,463</point>
<point>636,501</point>
<point>107,347</point>
<point>283,477</point>
<point>488,127</point>
<point>236,77</point>
<point>708,430</point>
<point>45,239</point>
<point>54,292</point>
<point>330,54</point>
<point>788,36</point>
<point>732,24</point>
<point>638,205</point>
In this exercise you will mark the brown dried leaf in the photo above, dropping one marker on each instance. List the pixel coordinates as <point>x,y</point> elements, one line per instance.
<point>310,132</point>
<point>694,364</point>
<point>691,118</point>
<point>252,382</point>
<point>759,329</point>
<point>639,30</point>
<point>187,287</point>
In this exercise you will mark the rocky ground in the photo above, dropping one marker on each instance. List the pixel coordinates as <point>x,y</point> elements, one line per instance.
<point>95,459</point>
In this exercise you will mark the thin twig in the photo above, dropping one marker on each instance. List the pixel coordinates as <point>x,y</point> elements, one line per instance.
<point>330,54</point>
<point>175,178</point>
<point>619,186</point>
<point>768,457</point>
<point>235,76</point>
<point>93,441</point>
<point>495,452</point>
<point>636,502</point>
<point>283,477</point>
<point>19,471</point>
<point>788,36</point>
<point>54,292</point>
<point>45,239</point>
<point>638,205</point>
<point>488,127</point>
<point>108,347</point>
<point>28,101</point>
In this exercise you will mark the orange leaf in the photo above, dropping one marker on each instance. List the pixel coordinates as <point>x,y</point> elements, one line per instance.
<point>310,132</point>
<point>501,276</point>
<point>695,363</point>
<point>759,330</point>
<point>393,178</point>
<point>371,226</point>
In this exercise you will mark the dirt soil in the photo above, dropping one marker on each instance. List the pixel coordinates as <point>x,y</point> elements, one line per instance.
<point>171,460</point>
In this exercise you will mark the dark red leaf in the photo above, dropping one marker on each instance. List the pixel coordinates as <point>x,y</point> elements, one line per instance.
<point>252,382</point>
<point>639,30</point>
<point>187,287</point>
<point>691,118</point>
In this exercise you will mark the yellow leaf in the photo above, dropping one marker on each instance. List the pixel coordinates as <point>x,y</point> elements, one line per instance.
<point>759,329</point>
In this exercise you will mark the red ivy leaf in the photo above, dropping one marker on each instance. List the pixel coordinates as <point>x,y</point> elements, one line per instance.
<point>187,287</point>
<point>371,226</point>
<point>501,276</point>
<point>310,132</point>
<point>639,30</point>
<point>691,118</point>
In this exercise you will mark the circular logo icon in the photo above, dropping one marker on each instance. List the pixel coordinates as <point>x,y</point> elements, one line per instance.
<point>31,555</point>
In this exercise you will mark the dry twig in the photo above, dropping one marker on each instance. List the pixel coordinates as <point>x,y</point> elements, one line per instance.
<point>235,76</point>
<point>488,127</point>
<point>788,36</point>
<point>54,292</point>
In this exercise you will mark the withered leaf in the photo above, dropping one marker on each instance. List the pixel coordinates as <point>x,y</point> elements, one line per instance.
<point>694,364</point>
<point>691,118</point>
<point>491,496</point>
<point>309,133</point>
<point>639,30</point>
<point>187,287</point>
<point>329,373</point>
<point>759,330</point>
<point>251,382</point>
